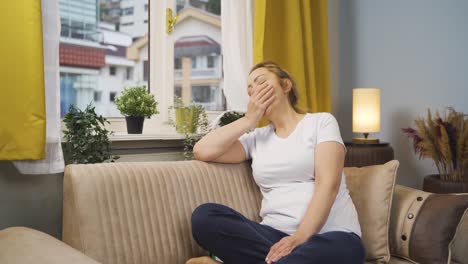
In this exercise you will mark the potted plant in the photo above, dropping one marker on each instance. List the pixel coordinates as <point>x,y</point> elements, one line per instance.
<point>191,121</point>
<point>86,140</point>
<point>229,117</point>
<point>187,118</point>
<point>135,103</point>
<point>202,123</point>
<point>445,141</point>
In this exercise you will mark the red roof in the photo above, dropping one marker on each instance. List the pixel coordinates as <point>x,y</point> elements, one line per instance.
<point>80,56</point>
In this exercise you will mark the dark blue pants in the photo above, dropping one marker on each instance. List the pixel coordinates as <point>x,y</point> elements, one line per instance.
<point>237,240</point>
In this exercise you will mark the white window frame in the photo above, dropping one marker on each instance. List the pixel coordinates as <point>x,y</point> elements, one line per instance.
<point>161,80</point>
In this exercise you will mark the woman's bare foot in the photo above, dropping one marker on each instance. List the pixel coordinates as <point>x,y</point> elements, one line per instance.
<point>201,260</point>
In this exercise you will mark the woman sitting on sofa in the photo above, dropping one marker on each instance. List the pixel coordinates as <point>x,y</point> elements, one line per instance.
<point>297,161</point>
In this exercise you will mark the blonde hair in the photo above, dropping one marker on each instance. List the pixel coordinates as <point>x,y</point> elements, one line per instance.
<point>282,74</point>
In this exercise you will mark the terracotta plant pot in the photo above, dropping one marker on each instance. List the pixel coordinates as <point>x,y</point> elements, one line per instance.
<point>433,183</point>
<point>134,124</point>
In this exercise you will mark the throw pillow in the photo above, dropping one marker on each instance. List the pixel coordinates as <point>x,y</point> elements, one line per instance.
<point>371,189</point>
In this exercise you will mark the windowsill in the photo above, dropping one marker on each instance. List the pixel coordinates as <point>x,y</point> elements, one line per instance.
<point>158,137</point>
<point>138,137</point>
<point>123,143</point>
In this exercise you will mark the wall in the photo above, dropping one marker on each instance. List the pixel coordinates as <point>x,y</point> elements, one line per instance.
<point>415,51</point>
<point>35,201</point>
<point>30,200</point>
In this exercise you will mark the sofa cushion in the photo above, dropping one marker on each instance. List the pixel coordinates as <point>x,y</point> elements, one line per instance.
<point>371,189</point>
<point>423,224</point>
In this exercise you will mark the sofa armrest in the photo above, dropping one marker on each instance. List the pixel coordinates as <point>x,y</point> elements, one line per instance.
<point>406,204</point>
<point>20,245</point>
<point>423,225</point>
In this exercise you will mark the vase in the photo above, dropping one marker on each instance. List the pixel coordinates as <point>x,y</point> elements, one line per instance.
<point>134,124</point>
<point>433,183</point>
<point>186,120</point>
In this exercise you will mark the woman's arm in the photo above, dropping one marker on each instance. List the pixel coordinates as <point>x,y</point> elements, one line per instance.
<point>219,141</point>
<point>329,161</point>
<point>222,143</point>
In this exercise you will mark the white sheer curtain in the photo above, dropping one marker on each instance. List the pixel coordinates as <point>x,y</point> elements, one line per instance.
<point>237,45</point>
<point>53,163</point>
<point>237,35</point>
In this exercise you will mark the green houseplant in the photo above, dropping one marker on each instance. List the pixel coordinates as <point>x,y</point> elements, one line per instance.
<point>230,117</point>
<point>135,103</point>
<point>445,141</point>
<point>86,138</point>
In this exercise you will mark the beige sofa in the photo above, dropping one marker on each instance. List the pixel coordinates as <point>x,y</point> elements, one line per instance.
<point>140,213</point>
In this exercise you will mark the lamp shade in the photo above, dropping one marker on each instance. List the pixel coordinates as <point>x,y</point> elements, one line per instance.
<point>366,110</point>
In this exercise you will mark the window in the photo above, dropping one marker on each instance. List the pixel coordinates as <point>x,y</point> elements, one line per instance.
<point>177,63</point>
<point>114,12</point>
<point>197,53</point>
<point>177,92</point>
<point>210,62</point>
<point>112,96</point>
<point>77,30</point>
<point>127,11</point>
<point>89,66</point>
<point>76,88</point>
<point>129,73</point>
<point>112,70</point>
<point>97,96</point>
<point>146,7</point>
<point>194,62</point>
<point>201,94</point>
<point>145,21</point>
<point>65,30</point>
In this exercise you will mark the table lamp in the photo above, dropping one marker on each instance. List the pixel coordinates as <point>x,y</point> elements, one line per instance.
<point>366,113</point>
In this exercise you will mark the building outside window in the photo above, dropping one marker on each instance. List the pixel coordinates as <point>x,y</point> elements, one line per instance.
<point>129,73</point>
<point>97,96</point>
<point>177,92</point>
<point>177,63</point>
<point>105,44</point>
<point>112,70</point>
<point>94,67</point>
<point>201,94</point>
<point>194,62</point>
<point>112,96</point>
<point>210,61</point>
<point>76,89</point>
<point>127,11</point>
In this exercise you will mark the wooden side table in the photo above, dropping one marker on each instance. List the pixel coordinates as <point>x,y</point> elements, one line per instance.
<point>365,154</point>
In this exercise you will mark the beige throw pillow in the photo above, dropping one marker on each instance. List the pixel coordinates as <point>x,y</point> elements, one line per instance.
<point>371,189</point>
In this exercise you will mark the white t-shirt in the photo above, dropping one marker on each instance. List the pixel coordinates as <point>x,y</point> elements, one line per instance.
<point>283,168</point>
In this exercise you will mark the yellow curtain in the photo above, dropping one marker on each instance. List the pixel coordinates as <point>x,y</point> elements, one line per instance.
<point>294,34</point>
<point>22,100</point>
